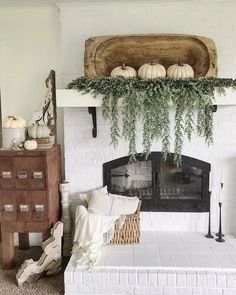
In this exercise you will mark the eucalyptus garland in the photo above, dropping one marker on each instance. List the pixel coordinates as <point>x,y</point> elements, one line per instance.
<point>151,100</point>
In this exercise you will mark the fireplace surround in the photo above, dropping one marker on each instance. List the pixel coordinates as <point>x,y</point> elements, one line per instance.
<point>85,155</point>
<point>161,185</point>
<point>175,269</point>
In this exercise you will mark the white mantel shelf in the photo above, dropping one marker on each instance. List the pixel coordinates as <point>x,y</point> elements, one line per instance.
<point>67,98</point>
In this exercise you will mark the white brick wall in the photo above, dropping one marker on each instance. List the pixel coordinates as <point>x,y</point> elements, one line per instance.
<point>213,19</point>
<point>85,155</point>
<point>163,281</point>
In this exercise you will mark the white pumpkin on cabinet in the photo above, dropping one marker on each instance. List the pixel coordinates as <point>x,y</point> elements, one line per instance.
<point>13,131</point>
<point>30,144</point>
<point>38,131</point>
<point>14,122</point>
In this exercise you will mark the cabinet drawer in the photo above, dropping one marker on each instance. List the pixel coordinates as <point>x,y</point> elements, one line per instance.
<point>37,173</point>
<point>22,172</point>
<point>39,205</point>
<point>30,172</point>
<point>24,209</point>
<point>23,206</point>
<point>8,206</point>
<point>6,172</point>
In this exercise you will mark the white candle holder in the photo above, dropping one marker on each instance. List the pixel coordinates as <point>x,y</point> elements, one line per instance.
<point>64,188</point>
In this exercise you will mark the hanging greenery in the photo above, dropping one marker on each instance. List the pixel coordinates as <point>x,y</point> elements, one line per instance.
<point>151,100</point>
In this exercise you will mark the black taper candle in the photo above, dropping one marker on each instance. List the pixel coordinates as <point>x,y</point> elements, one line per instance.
<point>209,235</point>
<point>220,239</point>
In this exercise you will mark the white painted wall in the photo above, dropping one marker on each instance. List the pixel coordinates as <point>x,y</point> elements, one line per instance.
<point>213,19</point>
<point>29,49</point>
<point>31,40</point>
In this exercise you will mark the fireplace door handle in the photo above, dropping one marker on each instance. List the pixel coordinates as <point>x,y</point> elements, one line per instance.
<point>126,175</point>
<point>156,179</point>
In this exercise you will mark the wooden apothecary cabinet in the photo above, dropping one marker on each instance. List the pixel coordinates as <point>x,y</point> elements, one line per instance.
<point>29,195</point>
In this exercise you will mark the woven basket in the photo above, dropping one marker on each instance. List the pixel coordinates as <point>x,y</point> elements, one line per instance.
<point>130,231</point>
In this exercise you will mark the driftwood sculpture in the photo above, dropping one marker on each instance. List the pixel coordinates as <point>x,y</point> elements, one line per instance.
<point>47,115</point>
<point>49,262</point>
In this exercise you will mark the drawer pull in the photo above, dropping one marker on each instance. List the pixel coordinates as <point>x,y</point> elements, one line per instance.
<point>6,174</point>
<point>39,208</point>
<point>8,208</point>
<point>22,174</point>
<point>24,208</point>
<point>37,174</point>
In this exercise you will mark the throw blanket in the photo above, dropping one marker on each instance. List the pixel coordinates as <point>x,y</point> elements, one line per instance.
<point>95,226</point>
<point>89,233</point>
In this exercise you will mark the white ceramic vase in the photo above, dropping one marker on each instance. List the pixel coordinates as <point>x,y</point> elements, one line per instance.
<point>12,137</point>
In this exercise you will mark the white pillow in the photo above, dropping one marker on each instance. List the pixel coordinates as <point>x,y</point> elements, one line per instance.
<point>124,205</point>
<point>84,198</point>
<point>110,204</point>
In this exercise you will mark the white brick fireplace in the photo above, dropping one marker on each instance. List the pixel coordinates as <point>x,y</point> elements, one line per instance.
<point>85,155</point>
<point>173,256</point>
<point>129,269</point>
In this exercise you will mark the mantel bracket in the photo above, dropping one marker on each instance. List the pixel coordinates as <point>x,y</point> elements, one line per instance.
<point>214,108</point>
<point>92,111</point>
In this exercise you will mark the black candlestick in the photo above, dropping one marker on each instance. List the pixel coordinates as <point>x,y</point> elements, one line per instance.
<point>209,235</point>
<point>218,234</point>
<point>219,239</point>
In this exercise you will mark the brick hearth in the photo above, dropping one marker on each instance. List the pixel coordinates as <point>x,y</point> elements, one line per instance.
<point>164,263</point>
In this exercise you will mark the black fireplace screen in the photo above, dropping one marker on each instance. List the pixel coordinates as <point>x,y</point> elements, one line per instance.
<point>162,186</point>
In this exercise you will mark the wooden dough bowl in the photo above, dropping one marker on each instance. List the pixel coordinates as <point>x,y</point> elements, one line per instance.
<point>103,53</point>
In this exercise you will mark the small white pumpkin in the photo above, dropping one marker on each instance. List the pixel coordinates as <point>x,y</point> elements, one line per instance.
<point>152,71</point>
<point>124,71</point>
<point>38,131</point>
<point>180,71</point>
<point>14,122</point>
<point>30,144</point>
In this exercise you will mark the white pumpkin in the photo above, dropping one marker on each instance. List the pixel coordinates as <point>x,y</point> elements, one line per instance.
<point>124,71</point>
<point>14,122</point>
<point>38,131</point>
<point>180,71</point>
<point>30,144</point>
<point>152,71</point>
